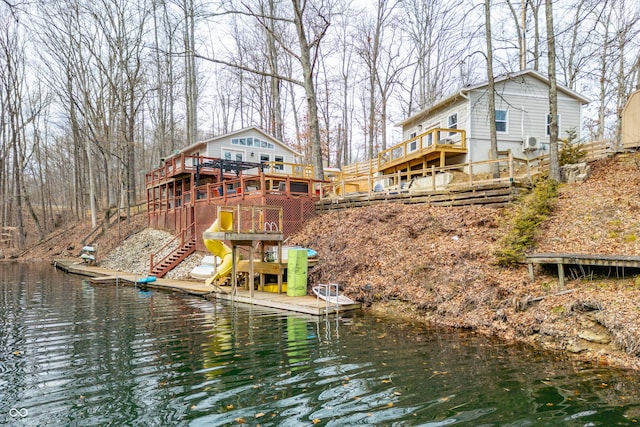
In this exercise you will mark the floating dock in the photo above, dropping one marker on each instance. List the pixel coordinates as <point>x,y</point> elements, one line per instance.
<point>303,304</point>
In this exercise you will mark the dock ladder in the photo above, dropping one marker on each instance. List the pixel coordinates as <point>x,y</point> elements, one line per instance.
<point>326,289</point>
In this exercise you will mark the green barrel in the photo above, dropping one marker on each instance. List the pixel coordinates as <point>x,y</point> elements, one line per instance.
<point>297,273</point>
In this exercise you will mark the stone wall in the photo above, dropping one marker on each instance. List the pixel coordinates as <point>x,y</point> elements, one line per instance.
<point>578,172</point>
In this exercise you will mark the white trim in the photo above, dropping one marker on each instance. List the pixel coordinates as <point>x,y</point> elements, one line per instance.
<point>506,122</point>
<point>526,95</point>
<point>463,93</point>
<point>232,150</point>
<point>547,127</point>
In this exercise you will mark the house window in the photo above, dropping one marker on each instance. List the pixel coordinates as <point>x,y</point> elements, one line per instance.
<point>264,158</point>
<point>549,124</point>
<point>429,139</point>
<point>453,123</point>
<point>501,120</point>
<point>232,155</point>
<point>279,160</point>
<point>413,145</point>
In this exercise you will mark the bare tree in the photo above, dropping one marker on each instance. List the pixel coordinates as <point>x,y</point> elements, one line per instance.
<point>491,93</point>
<point>191,82</point>
<point>627,30</point>
<point>521,23</point>
<point>431,26</point>
<point>554,162</point>
<point>535,6</point>
<point>310,20</point>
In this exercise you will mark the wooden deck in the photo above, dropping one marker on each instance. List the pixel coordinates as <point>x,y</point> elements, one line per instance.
<point>562,259</point>
<point>303,304</point>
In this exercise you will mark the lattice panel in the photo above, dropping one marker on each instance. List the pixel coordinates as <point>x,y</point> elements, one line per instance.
<point>295,211</point>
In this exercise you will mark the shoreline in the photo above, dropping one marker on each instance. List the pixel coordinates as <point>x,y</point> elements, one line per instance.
<point>602,355</point>
<point>438,264</point>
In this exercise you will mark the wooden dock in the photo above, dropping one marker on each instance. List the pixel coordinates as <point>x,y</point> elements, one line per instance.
<point>562,259</point>
<point>303,304</point>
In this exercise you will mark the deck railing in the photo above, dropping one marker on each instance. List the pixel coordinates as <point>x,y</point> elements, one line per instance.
<point>465,174</point>
<point>430,141</point>
<point>176,166</point>
<point>188,164</point>
<point>246,186</point>
<point>594,150</point>
<point>434,178</point>
<point>255,218</point>
<point>290,169</point>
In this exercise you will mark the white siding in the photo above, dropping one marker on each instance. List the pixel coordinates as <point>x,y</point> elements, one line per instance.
<point>217,147</point>
<point>527,104</point>
<point>439,119</point>
<point>526,100</point>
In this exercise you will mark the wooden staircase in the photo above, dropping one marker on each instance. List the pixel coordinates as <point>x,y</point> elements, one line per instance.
<point>185,242</point>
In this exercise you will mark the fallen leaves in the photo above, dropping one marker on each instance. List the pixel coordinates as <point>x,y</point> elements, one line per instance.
<point>437,263</point>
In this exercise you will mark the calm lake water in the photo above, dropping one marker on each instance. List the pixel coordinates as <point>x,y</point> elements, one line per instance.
<point>76,354</point>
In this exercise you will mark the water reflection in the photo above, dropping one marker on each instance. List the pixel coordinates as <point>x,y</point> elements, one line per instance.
<point>76,354</point>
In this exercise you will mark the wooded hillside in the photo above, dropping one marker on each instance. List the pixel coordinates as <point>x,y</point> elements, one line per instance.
<point>93,94</point>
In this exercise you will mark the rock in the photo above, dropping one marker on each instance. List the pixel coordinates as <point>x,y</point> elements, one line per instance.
<point>500,315</point>
<point>574,347</point>
<point>578,172</point>
<point>594,337</point>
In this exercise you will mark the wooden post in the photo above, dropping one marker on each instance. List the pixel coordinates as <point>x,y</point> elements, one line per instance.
<point>234,271</point>
<point>261,243</point>
<point>510,166</point>
<point>433,178</point>
<point>530,265</point>
<point>561,274</point>
<point>279,267</point>
<point>251,271</point>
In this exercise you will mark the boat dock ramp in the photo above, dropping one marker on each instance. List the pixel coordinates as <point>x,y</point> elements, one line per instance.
<point>302,304</point>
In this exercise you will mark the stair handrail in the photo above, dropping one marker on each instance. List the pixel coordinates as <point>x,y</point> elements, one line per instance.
<point>181,234</point>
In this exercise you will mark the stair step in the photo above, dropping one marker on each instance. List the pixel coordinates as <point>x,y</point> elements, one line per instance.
<point>172,259</point>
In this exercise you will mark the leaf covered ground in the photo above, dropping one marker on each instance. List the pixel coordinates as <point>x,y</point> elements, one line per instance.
<point>438,264</point>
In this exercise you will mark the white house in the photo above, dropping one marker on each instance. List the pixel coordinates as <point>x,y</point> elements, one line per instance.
<point>250,144</point>
<point>522,116</point>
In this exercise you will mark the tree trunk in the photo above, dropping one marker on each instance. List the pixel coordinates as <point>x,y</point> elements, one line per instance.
<point>309,88</point>
<point>554,161</point>
<point>275,123</point>
<point>621,97</point>
<point>191,84</point>
<point>521,25</point>
<point>535,8</point>
<point>491,94</point>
